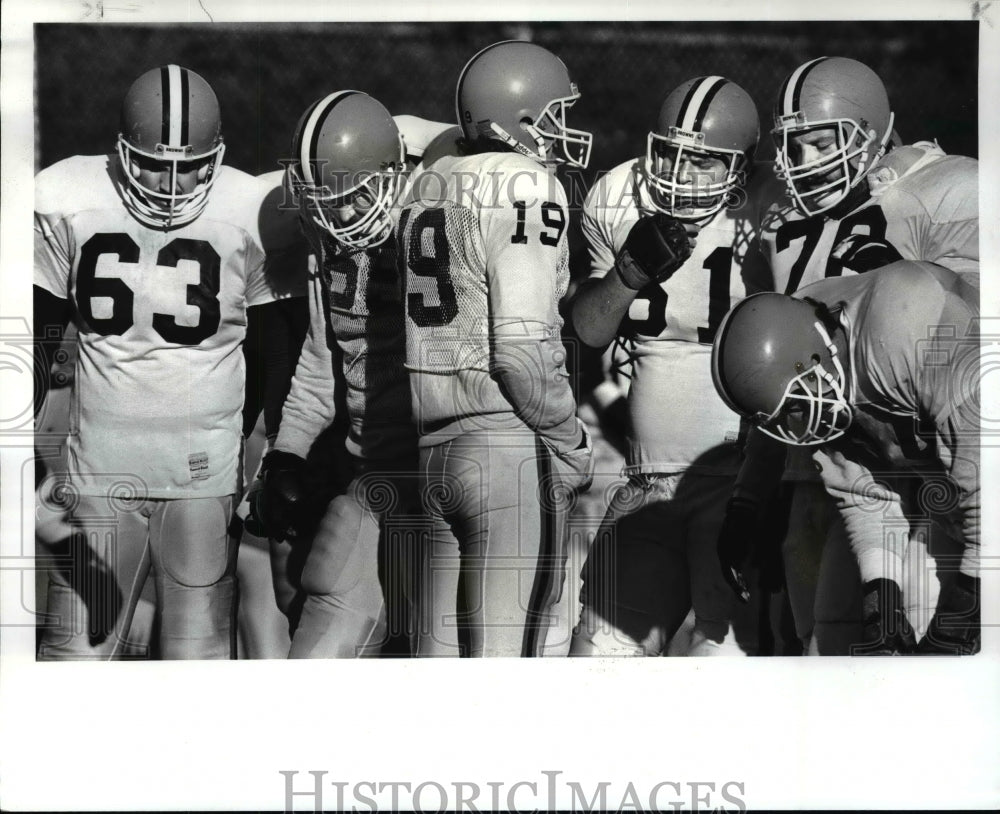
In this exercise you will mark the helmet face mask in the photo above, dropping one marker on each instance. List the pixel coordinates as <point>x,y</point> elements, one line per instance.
<point>697,157</point>
<point>359,219</point>
<point>813,409</point>
<point>349,168</point>
<point>550,132</point>
<point>832,125</point>
<point>518,93</point>
<point>689,182</point>
<point>821,183</point>
<point>774,362</point>
<point>170,146</point>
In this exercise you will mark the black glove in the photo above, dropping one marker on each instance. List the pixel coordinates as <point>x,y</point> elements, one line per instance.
<point>955,628</point>
<point>655,248</point>
<point>887,632</point>
<point>736,542</point>
<point>279,505</point>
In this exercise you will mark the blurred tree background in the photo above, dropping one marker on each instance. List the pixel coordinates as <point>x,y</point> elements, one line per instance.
<point>266,75</point>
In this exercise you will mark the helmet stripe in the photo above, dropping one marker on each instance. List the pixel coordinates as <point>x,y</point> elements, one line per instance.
<point>696,102</point>
<point>164,105</point>
<point>311,129</point>
<point>706,102</point>
<point>185,108</point>
<point>175,105</point>
<point>788,98</point>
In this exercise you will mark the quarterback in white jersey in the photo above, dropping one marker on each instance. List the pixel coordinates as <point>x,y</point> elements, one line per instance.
<point>654,557</point>
<point>158,276</point>
<point>483,240</point>
<point>853,203</point>
<point>349,170</point>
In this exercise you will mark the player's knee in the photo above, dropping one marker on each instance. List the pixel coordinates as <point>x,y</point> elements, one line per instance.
<point>197,622</point>
<point>74,630</point>
<point>329,629</point>
<point>197,550</point>
<point>332,565</point>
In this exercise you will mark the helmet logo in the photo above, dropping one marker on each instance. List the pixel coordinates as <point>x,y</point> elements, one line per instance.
<point>797,118</point>
<point>688,136</point>
<point>170,152</point>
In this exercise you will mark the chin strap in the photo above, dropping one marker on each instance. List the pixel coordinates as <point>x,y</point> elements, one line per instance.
<point>510,141</point>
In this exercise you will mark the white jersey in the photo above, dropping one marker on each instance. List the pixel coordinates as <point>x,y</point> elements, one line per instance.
<point>161,316</point>
<point>676,414</point>
<point>923,202</point>
<point>483,238</point>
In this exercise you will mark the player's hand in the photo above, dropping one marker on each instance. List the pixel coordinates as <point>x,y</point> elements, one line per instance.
<point>955,627</point>
<point>734,544</point>
<point>278,506</point>
<point>656,246</point>
<point>887,631</point>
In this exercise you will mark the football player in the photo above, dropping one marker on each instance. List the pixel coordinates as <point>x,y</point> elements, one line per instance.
<point>879,375</point>
<point>855,200</point>
<point>341,503</point>
<point>502,453</point>
<point>155,255</point>
<point>654,556</point>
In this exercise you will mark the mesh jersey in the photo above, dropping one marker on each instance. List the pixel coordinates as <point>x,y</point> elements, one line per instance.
<point>914,366</point>
<point>358,296</point>
<point>676,415</point>
<point>161,316</point>
<point>923,202</point>
<point>483,238</point>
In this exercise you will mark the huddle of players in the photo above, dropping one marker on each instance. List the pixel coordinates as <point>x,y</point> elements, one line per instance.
<point>428,452</point>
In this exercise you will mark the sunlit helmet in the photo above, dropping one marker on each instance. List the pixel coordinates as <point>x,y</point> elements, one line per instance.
<point>518,93</point>
<point>170,116</point>
<point>347,150</point>
<point>708,116</point>
<point>774,362</point>
<point>837,93</point>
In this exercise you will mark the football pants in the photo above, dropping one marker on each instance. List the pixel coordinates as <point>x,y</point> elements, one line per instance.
<point>103,564</point>
<point>492,571</point>
<point>354,565</point>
